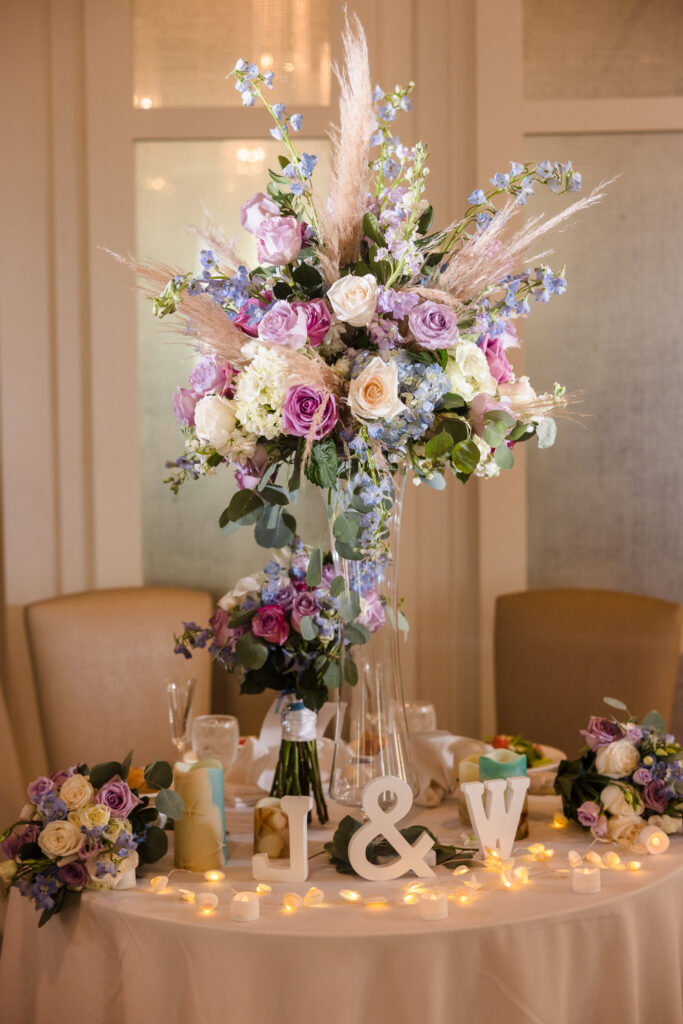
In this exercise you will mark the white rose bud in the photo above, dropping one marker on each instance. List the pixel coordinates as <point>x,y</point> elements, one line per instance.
<point>215,421</point>
<point>8,869</point>
<point>613,800</point>
<point>354,299</point>
<point>373,394</point>
<point>76,792</point>
<point>670,824</point>
<point>27,812</point>
<point>60,839</point>
<point>617,759</point>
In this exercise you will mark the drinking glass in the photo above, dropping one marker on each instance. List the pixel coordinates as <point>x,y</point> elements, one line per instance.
<point>421,716</point>
<point>180,696</point>
<point>216,736</point>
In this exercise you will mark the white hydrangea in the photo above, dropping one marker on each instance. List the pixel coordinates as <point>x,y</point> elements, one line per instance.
<point>486,467</point>
<point>261,391</point>
<point>333,343</point>
<point>468,371</point>
<point>215,420</point>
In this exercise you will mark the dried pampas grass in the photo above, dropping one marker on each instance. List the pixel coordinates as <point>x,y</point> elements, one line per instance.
<point>342,218</point>
<point>223,249</point>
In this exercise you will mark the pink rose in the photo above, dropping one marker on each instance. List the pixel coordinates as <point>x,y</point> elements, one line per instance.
<point>270,623</point>
<point>278,240</point>
<point>305,406</point>
<point>249,475</point>
<point>494,350</point>
<point>220,624</point>
<point>210,376</point>
<point>255,210</point>
<point>304,604</point>
<point>372,611</point>
<point>248,313</point>
<point>184,402</point>
<point>479,406</point>
<point>283,325</point>
<point>318,319</point>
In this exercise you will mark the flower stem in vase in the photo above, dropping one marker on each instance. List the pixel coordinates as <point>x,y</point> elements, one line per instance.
<point>298,771</point>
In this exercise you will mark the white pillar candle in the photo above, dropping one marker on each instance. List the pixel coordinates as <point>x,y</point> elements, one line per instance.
<point>586,880</point>
<point>433,905</point>
<point>245,906</point>
<point>654,840</point>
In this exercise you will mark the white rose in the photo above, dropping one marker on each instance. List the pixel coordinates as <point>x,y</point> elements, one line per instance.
<point>27,812</point>
<point>669,824</point>
<point>625,828</point>
<point>60,839</point>
<point>519,393</point>
<point>468,371</point>
<point>614,801</point>
<point>354,299</point>
<point>373,395</point>
<point>8,869</point>
<point>113,829</point>
<point>76,792</point>
<point>95,816</point>
<point>617,759</point>
<point>248,586</point>
<point>215,421</point>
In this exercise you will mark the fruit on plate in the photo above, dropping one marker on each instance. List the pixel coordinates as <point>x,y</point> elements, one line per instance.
<point>533,753</point>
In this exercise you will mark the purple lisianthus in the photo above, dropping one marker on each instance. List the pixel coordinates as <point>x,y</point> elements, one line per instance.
<point>599,829</point>
<point>634,734</point>
<point>656,795</point>
<point>642,776</point>
<point>304,604</point>
<point>75,874</point>
<point>220,624</point>
<point>285,597</point>
<point>299,566</point>
<point>284,325</point>
<point>318,319</point>
<point>588,813</point>
<point>306,409</point>
<point>39,787</point>
<point>253,469</point>
<point>270,624</point>
<point>184,402</point>
<point>397,304</point>
<point>494,350</point>
<point>117,796</point>
<point>329,574</point>
<point>209,376</point>
<point>434,325</point>
<point>16,840</point>
<point>373,615</point>
<point>600,732</point>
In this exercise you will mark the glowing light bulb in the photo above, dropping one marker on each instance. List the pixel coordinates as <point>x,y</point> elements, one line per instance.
<point>186,895</point>
<point>292,901</point>
<point>411,897</point>
<point>214,876</point>
<point>521,875</point>
<point>206,900</point>
<point>377,901</point>
<point>595,859</point>
<point>159,883</point>
<point>146,102</point>
<point>263,888</point>
<point>350,895</point>
<point>461,870</point>
<point>559,820</point>
<point>633,865</point>
<point>314,897</point>
<point>612,859</point>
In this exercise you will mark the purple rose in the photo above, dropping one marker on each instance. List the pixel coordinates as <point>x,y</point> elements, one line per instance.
<point>318,319</point>
<point>285,597</point>
<point>283,325</point>
<point>642,776</point>
<point>220,624</point>
<point>12,844</point>
<point>253,469</point>
<point>270,623</point>
<point>39,787</point>
<point>372,615</point>
<point>74,874</point>
<point>304,604</point>
<point>329,574</point>
<point>588,813</point>
<point>184,402</point>
<point>278,240</point>
<point>494,350</point>
<point>308,410</point>
<point>299,565</point>
<point>434,325</point>
<point>634,734</point>
<point>656,795</point>
<point>255,210</point>
<point>116,795</point>
<point>600,732</point>
<point>249,315</point>
<point>61,776</point>
<point>599,829</point>
<point>209,376</point>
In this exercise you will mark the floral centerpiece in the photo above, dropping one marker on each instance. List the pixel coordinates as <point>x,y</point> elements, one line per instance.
<point>287,627</point>
<point>630,777</point>
<point>365,342</point>
<point>85,828</point>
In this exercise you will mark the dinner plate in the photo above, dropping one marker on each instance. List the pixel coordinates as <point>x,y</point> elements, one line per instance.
<point>543,776</point>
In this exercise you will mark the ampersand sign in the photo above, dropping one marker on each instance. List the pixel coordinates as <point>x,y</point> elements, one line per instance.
<point>383,823</point>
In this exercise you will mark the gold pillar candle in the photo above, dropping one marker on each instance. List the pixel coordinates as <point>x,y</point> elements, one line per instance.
<point>199,836</point>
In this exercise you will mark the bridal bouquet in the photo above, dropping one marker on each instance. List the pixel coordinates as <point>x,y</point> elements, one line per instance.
<point>365,341</point>
<point>630,776</point>
<point>85,828</point>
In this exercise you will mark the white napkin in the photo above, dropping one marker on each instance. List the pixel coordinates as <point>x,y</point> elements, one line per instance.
<point>437,756</point>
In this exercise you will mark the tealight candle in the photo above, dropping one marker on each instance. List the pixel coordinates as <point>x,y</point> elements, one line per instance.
<point>586,880</point>
<point>186,895</point>
<point>244,906</point>
<point>214,876</point>
<point>314,897</point>
<point>433,905</point>
<point>654,840</point>
<point>159,883</point>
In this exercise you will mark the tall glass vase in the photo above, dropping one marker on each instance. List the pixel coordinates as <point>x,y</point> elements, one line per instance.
<point>372,737</point>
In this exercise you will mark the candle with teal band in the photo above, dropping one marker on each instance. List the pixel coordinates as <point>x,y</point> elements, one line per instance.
<point>497,764</point>
<point>199,836</point>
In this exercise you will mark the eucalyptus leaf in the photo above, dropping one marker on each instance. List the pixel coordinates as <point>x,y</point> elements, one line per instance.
<point>614,703</point>
<point>653,720</point>
<point>241,504</point>
<point>337,585</point>
<point>494,434</point>
<point>170,803</point>
<point>451,401</point>
<point>349,606</point>
<point>273,529</point>
<point>356,633</point>
<point>348,552</point>
<point>332,676</point>
<point>314,573</point>
<point>102,773</point>
<point>350,670</point>
<point>439,445</point>
<point>436,481</point>
<point>154,846</point>
<point>275,495</point>
<point>546,432</point>
<point>465,456</point>
<point>159,775</point>
<point>503,457</point>
<point>308,628</point>
<point>346,526</point>
<point>250,651</point>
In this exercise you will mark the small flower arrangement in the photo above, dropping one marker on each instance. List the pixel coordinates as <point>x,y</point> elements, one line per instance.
<point>630,776</point>
<point>84,828</point>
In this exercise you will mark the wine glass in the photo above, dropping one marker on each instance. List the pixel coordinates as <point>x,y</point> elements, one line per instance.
<point>216,736</point>
<point>180,696</point>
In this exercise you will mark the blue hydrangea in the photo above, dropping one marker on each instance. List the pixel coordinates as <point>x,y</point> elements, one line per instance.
<point>420,387</point>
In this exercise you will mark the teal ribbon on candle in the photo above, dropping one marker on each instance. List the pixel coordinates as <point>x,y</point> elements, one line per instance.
<point>501,764</point>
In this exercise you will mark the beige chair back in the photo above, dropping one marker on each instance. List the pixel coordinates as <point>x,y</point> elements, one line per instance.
<point>101,660</point>
<point>559,652</point>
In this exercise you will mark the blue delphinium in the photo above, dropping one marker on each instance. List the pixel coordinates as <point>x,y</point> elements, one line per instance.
<point>43,891</point>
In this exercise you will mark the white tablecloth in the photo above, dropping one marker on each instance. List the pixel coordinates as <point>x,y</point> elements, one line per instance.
<point>537,955</point>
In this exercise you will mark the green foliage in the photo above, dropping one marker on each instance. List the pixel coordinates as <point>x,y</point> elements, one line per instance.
<point>242,505</point>
<point>337,585</point>
<point>350,670</point>
<point>356,633</point>
<point>332,676</point>
<point>503,457</point>
<point>379,848</point>
<point>546,432</point>
<point>346,526</point>
<point>102,773</point>
<point>159,775</point>
<point>321,468</point>
<point>372,229</point>
<point>497,423</point>
<point>170,803</point>
<point>314,573</point>
<point>425,221</point>
<point>439,445</point>
<point>309,630</point>
<point>653,720</point>
<point>614,703</point>
<point>250,651</point>
<point>349,606</point>
<point>155,845</point>
<point>275,528</point>
<point>465,456</point>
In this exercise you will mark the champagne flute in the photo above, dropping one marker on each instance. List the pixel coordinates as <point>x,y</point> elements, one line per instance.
<point>180,695</point>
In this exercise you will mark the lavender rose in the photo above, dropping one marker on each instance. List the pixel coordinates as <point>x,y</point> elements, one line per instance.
<point>588,813</point>
<point>372,611</point>
<point>329,573</point>
<point>283,325</point>
<point>285,597</point>
<point>74,874</point>
<point>255,211</point>
<point>656,795</point>
<point>116,795</point>
<point>184,402</point>
<point>601,827</point>
<point>253,469</point>
<point>642,776</point>
<point>278,240</point>
<point>600,732</point>
<point>220,624</point>
<point>39,787</point>
<point>208,375</point>
<point>434,325</point>
<point>304,604</point>
<point>305,409</point>
<point>270,623</point>
<point>318,319</point>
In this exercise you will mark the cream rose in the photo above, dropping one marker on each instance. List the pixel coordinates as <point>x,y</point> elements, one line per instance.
<point>113,829</point>
<point>354,299</point>
<point>617,759</point>
<point>373,395</point>
<point>248,586</point>
<point>76,792</point>
<point>215,422</point>
<point>625,828</point>
<point>614,801</point>
<point>468,372</point>
<point>95,816</point>
<point>8,869</point>
<point>60,839</point>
